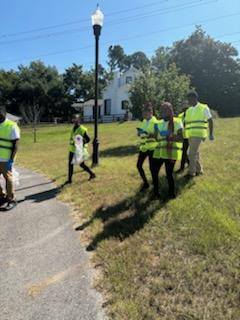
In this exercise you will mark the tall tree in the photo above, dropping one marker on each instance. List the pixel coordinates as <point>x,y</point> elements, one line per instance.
<point>39,90</point>
<point>214,70</point>
<point>138,60</point>
<point>160,60</point>
<point>8,83</point>
<point>116,58</point>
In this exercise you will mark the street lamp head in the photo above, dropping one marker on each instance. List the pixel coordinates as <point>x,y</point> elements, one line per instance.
<point>97,17</point>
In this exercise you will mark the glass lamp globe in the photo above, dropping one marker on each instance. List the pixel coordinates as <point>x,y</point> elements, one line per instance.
<point>97,17</point>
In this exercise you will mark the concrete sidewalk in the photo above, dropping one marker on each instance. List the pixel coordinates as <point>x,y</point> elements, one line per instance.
<point>44,270</point>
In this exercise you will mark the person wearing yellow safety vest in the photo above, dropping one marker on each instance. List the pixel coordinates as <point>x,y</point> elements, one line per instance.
<point>147,142</point>
<point>9,137</point>
<point>185,158</point>
<point>198,125</point>
<point>169,134</point>
<point>78,129</point>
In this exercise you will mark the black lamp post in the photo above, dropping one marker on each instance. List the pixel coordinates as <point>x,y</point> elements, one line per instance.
<point>97,22</point>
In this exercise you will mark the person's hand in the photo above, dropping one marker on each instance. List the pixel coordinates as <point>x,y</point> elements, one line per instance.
<point>164,133</point>
<point>9,165</point>
<point>211,137</point>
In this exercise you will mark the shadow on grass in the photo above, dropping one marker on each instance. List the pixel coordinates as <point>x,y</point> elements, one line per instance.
<point>129,215</point>
<point>121,151</point>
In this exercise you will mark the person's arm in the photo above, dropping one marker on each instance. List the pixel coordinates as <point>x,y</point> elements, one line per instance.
<point>177,137</point>
<point>14,149</point>
<point>210,125</point>
<point>86,138</point>
<point>15,142</point>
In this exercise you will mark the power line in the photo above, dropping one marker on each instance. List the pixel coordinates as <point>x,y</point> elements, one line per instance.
<point>184,6</point>
<point>128,38</point>
<point>82,20</point>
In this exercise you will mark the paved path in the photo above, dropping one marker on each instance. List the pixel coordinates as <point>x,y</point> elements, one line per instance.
<point>44,270</point>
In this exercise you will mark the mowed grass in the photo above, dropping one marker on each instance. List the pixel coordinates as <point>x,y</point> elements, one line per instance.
<point>176,260</point>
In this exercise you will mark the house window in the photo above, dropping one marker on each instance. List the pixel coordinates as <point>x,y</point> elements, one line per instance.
<point>107,107</point>
<point>129,80</point>
<point>125,105</point>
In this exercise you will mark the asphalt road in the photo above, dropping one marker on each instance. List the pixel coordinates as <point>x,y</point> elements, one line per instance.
<point>44,271</point>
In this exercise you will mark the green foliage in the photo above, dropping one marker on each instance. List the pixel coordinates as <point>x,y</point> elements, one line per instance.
<point>158,86</point>
<point>39,88</point>
<point>161,58</point>
<point>119,60</point>
<point>214,70</point>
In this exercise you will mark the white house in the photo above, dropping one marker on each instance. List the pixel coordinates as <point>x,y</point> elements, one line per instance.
<point>115,102</point>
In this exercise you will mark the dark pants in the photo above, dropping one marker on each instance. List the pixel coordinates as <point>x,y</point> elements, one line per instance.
<point>141,158</point>
<point>169,166</point>
<point>184,154</point>
<point>70,167</point>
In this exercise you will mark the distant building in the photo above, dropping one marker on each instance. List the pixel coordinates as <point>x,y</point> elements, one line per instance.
<point>115,103</point>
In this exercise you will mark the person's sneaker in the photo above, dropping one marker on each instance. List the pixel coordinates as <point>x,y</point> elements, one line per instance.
<point>10,205</point>
<point>144,187</point>
<point>179,171</point>
<point>189,176</point>
<point>171,196</point>
<point>3,201</point>
<point>92,176</point>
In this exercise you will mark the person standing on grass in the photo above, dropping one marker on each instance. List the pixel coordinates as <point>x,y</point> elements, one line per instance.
<point>198,121</point>
<point>78,130</point>
<point>9,139</point>
<point>185,158</point>
<point>147,142</point>
<point>169,134</point>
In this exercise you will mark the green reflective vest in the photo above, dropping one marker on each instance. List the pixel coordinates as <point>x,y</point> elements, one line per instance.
<point>196,122</point>
<point>168,150</point>
<point>81,130</point>
<point>146,143</point>
<point>6,142</point>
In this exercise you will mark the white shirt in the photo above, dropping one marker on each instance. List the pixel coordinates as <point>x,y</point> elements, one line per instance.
<point>207,111</point>
<point>15,135</point>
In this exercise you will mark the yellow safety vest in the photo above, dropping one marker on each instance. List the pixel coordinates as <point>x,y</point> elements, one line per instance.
<point>81,130</point>
<point>6,141</point>
<point>196,122</point>
<point>148,144</point>
<point>162,151</point>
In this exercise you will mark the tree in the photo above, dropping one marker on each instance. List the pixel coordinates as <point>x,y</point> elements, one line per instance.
<point>138,60</point>
<point>119,60</point>
<point>79,84</point>
<point>8,83</point>
<point>157,87</point>
<point>39,89</point>
<point>160,60</point>
<point>214,70</point>
<point>116,58</point>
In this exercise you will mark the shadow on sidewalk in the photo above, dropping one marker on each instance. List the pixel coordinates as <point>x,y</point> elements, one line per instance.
<point>43,196</point>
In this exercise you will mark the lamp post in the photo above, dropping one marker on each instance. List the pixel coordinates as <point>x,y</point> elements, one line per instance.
<point>97,23</point>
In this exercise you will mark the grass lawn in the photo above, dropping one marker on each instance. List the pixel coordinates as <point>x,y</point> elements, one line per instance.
<point>176,260</point>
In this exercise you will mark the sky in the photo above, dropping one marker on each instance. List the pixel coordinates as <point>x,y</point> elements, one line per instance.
<point>60,33</point>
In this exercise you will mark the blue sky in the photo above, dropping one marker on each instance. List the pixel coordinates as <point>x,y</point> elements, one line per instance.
<point>60,33</point>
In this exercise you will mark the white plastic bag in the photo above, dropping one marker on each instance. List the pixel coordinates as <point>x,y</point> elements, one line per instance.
<point>81,153</point>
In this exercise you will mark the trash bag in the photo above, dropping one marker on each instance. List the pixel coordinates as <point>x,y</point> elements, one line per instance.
<point>81,153</point>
